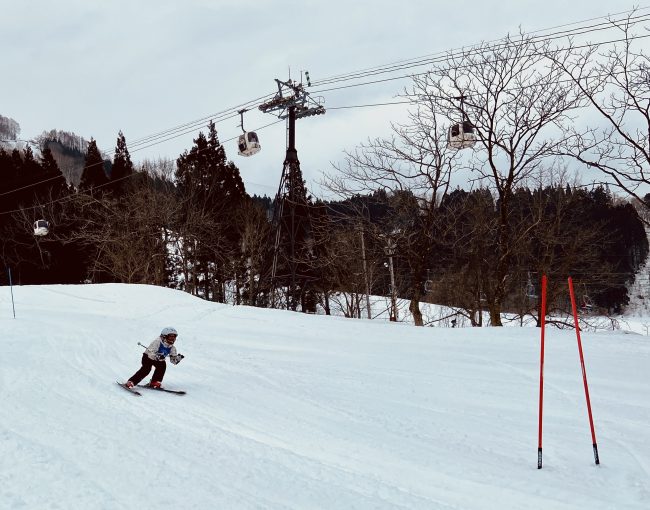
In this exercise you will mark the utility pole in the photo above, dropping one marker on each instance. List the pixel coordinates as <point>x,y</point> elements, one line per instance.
<point>365,271</point>
<point>391,249</point>
<point>291,102</point>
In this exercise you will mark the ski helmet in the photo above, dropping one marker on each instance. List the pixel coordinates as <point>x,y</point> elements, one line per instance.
<point>168,331</point>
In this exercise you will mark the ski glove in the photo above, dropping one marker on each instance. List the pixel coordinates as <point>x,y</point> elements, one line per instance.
<point>160,356</point>
<point>176,359</point>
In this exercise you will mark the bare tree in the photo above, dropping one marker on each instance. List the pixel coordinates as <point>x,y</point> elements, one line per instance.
<point>200,248</point>
<point>254,229</point>
<point>415,164</point>
<point>348,268</point>
<point>161,167</point>
<point>616,83</point>
<point>467,240</point>
<point>130,236</point>
<point>513,94</point>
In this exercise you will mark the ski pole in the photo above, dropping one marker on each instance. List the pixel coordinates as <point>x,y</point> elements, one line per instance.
<point>584,372</point>
<point>12,292</point>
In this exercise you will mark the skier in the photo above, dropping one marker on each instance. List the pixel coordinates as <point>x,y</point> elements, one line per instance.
<point>154,356</point>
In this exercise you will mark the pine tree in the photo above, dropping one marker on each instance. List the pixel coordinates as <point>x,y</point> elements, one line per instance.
<point>122,166</point>
<point>192,170</point>
<point>205,173</point>
<point>213,191</point>
<point>8,181</point>
<point>27,174</point>
<point>93,174</point>
<point>52,182</point>
<point>231,186</point>
<point>51,171</point>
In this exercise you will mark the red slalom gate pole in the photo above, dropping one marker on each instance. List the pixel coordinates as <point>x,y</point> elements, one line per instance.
<point>584,372</point>
<point>542,313</point>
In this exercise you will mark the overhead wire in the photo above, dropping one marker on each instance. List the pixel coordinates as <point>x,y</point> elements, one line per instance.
<point>188,127</point>
<point>184,129</point>
<point>229,113</point>
<point>498,39</point>
<point>223,114</point>
<point>111,182</point>
<point>505,59</point>
<point>506,41</point>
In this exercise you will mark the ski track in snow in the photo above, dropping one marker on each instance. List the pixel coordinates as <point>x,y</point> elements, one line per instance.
<point>287,411</point>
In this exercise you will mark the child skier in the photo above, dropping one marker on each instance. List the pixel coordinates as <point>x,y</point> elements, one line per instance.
<point>154,356</point>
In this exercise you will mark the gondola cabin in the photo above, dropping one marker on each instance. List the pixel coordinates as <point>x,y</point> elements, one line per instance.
<point>461,136</point>
<point>249,144</point>
<point>41,228</point>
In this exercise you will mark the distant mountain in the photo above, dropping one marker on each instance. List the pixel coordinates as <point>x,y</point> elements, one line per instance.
<point>69,151</point>
<point>9,128</point>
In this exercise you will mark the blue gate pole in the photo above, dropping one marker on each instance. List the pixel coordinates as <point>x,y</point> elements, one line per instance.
<point>12,292</point>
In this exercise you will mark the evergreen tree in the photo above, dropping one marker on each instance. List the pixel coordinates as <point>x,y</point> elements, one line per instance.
<point>192,170</point>
<point>8,180</point>
<point>26,173</point>
<point>122,166</point>
<point>31,171</point>
<point>213,191</point>
<point>15,175</point>
<point>5,172</point>
<point>205,173</point>
<point>231,186</point>
<point>51,173</point>
<point>93,174</point>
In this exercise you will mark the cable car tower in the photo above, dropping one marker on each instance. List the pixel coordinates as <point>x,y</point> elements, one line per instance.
<point>293,247</point>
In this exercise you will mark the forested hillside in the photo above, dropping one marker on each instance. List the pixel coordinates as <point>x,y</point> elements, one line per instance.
<point>504,116</point>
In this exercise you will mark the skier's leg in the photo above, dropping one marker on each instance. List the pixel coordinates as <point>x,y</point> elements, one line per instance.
<point>159,372</point>
<point>147,363</point>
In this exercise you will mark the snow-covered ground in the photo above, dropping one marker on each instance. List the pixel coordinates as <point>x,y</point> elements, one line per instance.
<point>289,411</point>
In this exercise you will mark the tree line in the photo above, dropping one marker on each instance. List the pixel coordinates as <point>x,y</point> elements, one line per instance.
<point>480,248</point>
<point>199,231</point>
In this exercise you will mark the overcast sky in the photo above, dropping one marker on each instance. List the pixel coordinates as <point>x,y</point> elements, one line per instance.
<point>143,66</point>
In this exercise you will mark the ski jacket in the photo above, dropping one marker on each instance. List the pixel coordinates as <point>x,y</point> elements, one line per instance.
<point>159,347</point>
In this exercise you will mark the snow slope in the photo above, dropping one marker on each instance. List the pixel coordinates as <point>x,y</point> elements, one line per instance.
<point>289,411</point>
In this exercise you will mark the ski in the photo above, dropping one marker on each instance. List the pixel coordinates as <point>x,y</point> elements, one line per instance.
<point>176,392</point>
<point>130,390</point>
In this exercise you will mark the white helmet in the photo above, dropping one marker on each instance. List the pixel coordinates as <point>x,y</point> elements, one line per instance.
<point>168,331</point>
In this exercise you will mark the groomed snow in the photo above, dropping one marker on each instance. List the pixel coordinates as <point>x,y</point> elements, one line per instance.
<point>290,411</point>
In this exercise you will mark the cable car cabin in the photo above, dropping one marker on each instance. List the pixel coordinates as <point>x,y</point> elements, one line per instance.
<point>461,136</point>
<point>41,228</point>
<point>249,144</point>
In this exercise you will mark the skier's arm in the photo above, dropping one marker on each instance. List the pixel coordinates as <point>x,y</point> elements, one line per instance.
<point>152,350</point>
<point>174,357</point>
